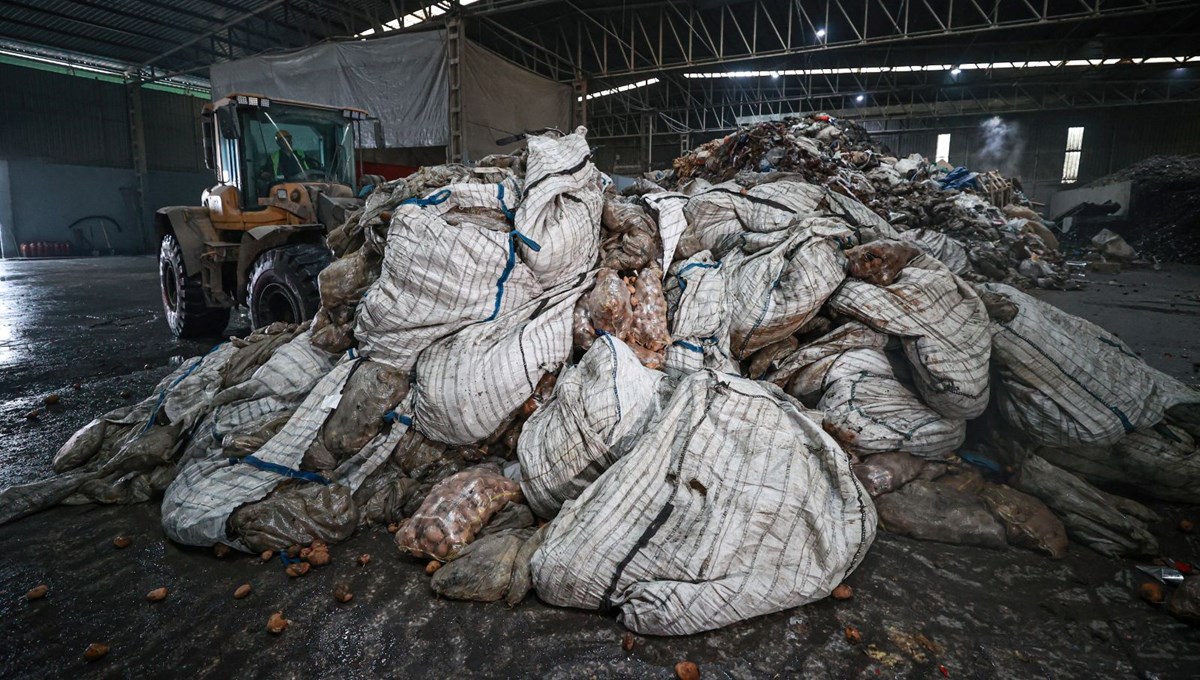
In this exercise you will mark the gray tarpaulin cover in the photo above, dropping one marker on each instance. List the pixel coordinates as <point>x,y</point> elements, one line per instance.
<point>501,99</point>
<point>403,81</point>
<point>400,79</point>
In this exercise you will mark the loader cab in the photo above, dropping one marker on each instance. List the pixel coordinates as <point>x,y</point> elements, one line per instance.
<point>285,178</point>
<point>256,144</point>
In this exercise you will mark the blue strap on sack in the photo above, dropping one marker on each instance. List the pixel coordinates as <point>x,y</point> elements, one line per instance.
<point>434,199</point>
<point>278,469</point>
<point>393,417</point>
<point>503,206</point>
<point>162,395</point>
<point>510,265</point>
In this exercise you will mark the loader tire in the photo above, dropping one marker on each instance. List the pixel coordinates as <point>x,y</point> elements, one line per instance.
<point>283,284</point>
<point>183,296</point>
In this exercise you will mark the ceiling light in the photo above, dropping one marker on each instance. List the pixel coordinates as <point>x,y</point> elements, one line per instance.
<point>955,71</point>
<point>820,33</point>
<point>859,98</point>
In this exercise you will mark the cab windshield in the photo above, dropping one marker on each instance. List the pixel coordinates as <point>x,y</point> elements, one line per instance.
<point>291,144</point>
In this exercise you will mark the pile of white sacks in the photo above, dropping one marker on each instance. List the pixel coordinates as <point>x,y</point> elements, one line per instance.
<point>702,392</point>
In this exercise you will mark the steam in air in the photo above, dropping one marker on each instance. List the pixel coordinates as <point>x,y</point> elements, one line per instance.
<point>1002,146</point>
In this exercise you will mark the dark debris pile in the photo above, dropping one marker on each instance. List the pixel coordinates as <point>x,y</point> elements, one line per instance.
<point>1164,220</point>
<point>1007,243</point>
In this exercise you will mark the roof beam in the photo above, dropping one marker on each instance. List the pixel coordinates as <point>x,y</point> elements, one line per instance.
<point>68,32</point>
<point>229,24</point>
<point>145,18</point>
<point>208,18</point>
<point>718,35</point>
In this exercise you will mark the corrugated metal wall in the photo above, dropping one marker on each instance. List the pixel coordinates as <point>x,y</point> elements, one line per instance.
<point>173,136</point>
<point>61,132</point>
<point>64,119</point>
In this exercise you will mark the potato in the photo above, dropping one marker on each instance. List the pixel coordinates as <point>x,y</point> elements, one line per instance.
<point>242,592</point>
<point>364,559</point>
<point>341,593</point>
<point>1151,592</point>
<point>95,651</point>
<point>686,670</point>
<point>38,592</point>
<point>267,555</point>
<point>299,569</point>
<point>156,595</point>
<point>277,624</point>
<point>122,542</point>
<point>853,636</point>
<point>319,558</point>
<point>433,534</point>
<point>843,592</point>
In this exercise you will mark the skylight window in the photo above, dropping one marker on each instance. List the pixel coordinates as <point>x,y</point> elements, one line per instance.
<point>1074,152</point>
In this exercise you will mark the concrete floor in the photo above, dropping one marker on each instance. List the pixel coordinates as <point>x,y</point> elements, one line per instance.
<point>989,614</point>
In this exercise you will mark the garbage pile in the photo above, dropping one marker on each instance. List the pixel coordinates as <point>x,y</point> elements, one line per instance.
<point>690,407</point>
<point>943,210</point>
<point>1164,212</point>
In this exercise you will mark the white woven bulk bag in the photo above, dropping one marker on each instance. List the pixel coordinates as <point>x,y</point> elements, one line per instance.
<point>469,383</point>
<point>1064,381</point>
<point>867,407</point>
<point>774,291</point>
<point>449,262</point>
<point>598,408</point>
<point>735,503</point>
<point>725,211</point>
<point>943,327</point>
<point>949,251</point>
<point>197,505</point>
<point>698,316</point>
<point>560,212</point>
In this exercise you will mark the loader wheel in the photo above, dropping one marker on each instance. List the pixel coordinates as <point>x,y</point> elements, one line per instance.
<point>183,296</point>
<point>283,284</point>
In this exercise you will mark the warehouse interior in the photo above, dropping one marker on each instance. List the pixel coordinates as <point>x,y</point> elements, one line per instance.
<point>560,338</point>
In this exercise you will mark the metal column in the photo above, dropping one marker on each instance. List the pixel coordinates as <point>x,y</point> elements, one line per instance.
<point>454,149</point>
<point>137,144</point>
<point>579,112</point>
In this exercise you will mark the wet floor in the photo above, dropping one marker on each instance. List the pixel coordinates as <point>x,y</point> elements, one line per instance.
<point>985,613</point>
<point>87,329</point>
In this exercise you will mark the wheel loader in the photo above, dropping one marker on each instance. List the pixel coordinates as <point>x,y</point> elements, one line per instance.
<point>285,177</point>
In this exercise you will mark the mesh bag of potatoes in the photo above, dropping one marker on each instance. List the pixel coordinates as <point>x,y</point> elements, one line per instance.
<point>454,511</point>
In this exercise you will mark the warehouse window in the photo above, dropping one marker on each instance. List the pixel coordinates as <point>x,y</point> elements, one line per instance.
<point>1074,151</point>
<point>943,148</point>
